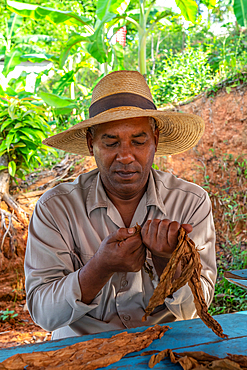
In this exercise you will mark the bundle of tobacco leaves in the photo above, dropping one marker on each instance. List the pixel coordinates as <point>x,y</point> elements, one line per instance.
<point>89,355</point>
<point>200,360</point>
<point>188,255</point>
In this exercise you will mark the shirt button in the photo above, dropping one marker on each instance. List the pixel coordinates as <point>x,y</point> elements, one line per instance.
<point>126,317</point>
<point>124,283</point>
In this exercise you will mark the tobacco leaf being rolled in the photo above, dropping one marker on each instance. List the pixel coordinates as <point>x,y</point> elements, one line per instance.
<point>88,355</point>
<point>200,360</point>
<point>188,255</point>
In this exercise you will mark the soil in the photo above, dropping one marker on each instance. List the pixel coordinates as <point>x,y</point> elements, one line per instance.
<point>215,164</point>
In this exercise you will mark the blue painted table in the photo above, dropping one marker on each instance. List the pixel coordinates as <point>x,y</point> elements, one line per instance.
<point>238,277</point>
<point>190,335</point>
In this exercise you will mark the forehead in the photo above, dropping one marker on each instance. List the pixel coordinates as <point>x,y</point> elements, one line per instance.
<point>132,125</point>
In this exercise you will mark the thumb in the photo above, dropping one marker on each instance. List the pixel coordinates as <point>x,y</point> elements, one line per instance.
<point>125,233</point>
<point>187,227</point>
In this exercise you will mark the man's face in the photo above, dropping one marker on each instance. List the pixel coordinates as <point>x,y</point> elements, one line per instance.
<point>124,152</point>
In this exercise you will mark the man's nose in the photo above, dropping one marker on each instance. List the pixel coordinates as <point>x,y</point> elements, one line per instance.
<point>125,155</point>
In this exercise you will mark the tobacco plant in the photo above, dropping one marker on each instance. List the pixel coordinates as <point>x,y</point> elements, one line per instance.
<point>23,127</point>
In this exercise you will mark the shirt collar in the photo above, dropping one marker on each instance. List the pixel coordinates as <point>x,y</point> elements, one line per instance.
<point>153,193</point>
<point>97,197</point>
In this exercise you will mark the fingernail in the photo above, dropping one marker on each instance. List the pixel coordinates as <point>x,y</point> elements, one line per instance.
<point>131,230</point>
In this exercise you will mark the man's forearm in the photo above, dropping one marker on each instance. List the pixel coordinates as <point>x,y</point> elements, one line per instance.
<point>92,277</point>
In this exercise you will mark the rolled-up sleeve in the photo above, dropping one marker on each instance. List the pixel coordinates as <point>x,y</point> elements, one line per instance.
<point>52,284</point>
<point>203,234</point>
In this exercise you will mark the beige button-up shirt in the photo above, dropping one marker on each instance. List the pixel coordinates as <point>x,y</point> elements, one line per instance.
<point>66,229</point>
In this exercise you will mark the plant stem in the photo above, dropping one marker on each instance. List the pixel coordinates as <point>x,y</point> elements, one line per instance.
<point>142,40</point>
<point>243,11</point>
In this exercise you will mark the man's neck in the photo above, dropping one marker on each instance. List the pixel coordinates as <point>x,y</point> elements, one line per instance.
<point>126,207</point>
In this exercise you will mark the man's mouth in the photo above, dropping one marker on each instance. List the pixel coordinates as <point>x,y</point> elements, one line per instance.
<point>126,174</point>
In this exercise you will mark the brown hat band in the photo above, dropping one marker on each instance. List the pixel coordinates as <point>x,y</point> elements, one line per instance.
<point>120,100</point>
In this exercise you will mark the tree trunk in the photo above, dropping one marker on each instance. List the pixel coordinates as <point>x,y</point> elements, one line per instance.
<point>4,178</point>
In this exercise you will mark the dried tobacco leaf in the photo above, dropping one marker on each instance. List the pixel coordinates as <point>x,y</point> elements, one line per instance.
<point>89,355</point>
<point>147,267</point>
<point>188,255</point>
<point>200,360</point>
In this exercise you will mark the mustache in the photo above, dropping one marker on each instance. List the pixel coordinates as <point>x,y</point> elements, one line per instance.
<point>126,168</point>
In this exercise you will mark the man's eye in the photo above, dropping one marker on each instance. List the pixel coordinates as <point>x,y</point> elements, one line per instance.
<point>138,142</point>
<point>112,144</point>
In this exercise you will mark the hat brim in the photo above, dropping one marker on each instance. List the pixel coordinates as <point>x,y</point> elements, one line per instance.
<point>178,131</point>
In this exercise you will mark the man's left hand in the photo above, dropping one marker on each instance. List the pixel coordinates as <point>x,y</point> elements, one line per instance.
<point>161,236</point>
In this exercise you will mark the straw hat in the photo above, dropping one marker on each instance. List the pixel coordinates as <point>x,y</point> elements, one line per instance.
<point>124,95</point>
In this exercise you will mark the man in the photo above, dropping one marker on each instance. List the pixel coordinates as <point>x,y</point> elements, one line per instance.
<point>84,261</point>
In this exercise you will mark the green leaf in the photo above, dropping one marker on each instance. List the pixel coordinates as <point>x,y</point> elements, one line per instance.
<point>20,174</point>
<point>38,160</point>
<point>240,11</point>
<point>73,40</point>
<point>14,24</point>
<point>64,111</point>
<point>1,91</point>
<point>5,124</point>
<point>110,7</point>
<point>38,58</point>
<point>12,59</point>
<point>55,100</point>
<point>12,111</point>
<point>97,48</point>
<point>20,145</point>
<point>3,168</point>
<point>32,152</point>
<point>31,134</point>
<point>188,9</point>
<point>8,141</point>
<point>54,16</point>
<point>64,81</point>
<point>12,168</point>
<point>34,38</point>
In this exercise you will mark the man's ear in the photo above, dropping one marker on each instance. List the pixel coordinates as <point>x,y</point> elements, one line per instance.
<point>156,138</point>
<point>89,138</point>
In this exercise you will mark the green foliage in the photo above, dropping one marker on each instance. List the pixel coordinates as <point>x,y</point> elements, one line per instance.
<point>7,315</point>
<point>15,48</point>
<point>23,127</point>
<point>180,76</point>
<point>229,297</point>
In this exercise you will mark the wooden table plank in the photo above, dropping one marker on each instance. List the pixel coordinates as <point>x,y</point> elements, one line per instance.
<point>184,335</point>
<point>237,277</point>
<point>135,361</point>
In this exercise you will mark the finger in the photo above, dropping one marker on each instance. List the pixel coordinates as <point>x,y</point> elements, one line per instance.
<point>163,230</point>
<point>124,233</point>
<point>132,243</point>
<point>187,227</point>
<point>173,234</point>
<point>145,228</point>
<point>153,230</point>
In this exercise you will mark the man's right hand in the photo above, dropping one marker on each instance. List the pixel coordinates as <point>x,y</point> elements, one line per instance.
<point>122,251</point>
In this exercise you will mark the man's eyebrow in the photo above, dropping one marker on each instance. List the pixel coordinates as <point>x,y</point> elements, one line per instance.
<point>109,136</point>
<point>140,134</point>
